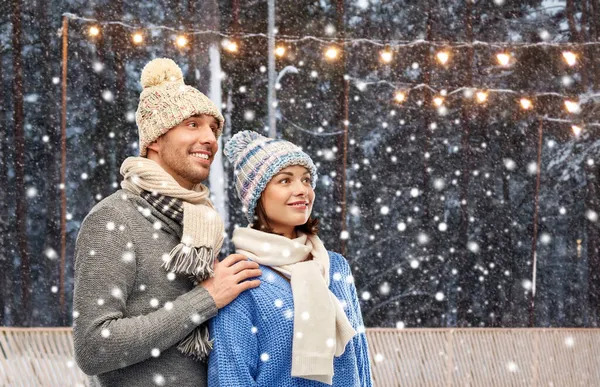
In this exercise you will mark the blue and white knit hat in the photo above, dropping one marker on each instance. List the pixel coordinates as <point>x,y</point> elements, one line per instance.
<point>256,159</point>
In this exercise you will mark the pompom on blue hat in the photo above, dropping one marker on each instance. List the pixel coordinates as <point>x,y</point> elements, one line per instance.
<point>256,159</point>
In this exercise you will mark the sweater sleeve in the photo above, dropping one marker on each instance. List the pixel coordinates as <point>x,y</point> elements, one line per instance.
<point>360,340</point>
<point>234,357</point>
<point>105,338</point>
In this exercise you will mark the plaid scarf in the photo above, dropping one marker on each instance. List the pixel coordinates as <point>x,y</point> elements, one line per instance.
<point>173,208</point>
<point>168,206</point>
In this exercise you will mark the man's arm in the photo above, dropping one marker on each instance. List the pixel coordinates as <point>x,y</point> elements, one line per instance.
<point>105,270</point>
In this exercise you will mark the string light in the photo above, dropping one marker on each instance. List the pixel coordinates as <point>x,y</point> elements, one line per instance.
<point>137,38</point>
<point>572,107</point>
<point>400,96</point>
<point>280,51</point>
<point>94,31</point>
<point>526,103</point>
<point>348,41</point>
<point>386,56</point>
<point>503,59</point>
<point>181,41</point>
<point>332,53</point>
<point>443,57</point>
<point>570,57</point>
<point>481,96</point>
<point>576,130</point>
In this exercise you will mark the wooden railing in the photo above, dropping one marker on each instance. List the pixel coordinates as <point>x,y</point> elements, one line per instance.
<point>409,357</point>
<point>485,357</point>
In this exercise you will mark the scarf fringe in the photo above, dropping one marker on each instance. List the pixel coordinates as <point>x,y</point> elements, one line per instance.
<point>185,259</point>
<point>197,344</point>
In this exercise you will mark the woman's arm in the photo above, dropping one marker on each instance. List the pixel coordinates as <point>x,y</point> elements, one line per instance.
<point>360,340</point>
<point>234,358</point>
<point>360,343</point>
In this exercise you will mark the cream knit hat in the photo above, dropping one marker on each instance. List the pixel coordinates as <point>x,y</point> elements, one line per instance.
<point>166,101</point>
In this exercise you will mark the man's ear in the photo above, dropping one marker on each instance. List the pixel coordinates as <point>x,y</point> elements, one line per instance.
<point>155,146</point>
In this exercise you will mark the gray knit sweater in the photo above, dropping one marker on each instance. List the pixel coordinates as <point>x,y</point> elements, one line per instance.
<point>129,313</point>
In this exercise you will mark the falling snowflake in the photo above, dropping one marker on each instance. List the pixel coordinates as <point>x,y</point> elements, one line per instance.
<point>570,341</point>
<point>384,288</point>
<point>159,380</point>
<point>473,247</point>
<point>511,366</point>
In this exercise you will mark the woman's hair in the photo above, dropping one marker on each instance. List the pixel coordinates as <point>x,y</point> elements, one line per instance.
<point>261,222</point>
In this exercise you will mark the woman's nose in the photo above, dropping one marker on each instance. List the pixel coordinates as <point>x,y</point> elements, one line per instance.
<point>301,189</point>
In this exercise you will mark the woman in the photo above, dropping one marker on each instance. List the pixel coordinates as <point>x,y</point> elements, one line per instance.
<point>299,327</point>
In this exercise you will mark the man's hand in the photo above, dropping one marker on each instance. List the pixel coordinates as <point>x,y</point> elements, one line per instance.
<point>227,283</point>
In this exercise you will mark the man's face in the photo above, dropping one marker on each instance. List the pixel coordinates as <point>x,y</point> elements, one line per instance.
<point>187,150</point>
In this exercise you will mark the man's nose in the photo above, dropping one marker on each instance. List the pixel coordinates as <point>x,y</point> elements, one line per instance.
<point>207,136</point>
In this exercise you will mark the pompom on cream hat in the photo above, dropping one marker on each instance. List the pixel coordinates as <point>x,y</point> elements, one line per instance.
<point>166,101</point>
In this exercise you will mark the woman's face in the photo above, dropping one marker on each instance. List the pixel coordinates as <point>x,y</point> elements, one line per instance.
<point>288,199</point>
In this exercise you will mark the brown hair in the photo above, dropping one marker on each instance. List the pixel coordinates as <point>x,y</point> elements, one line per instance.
<point>261,222</point>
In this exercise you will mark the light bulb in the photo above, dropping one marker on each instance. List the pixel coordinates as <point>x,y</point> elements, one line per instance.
<point>400,96</point>
<point>332,53</point>
<point>526,103</point>
<point>386,56</point>
<point>572,107</point>
<point>137,38</point>
<point>280,51</point>
<point>181,41</point>
<point>503,59</point>
<point>481,96</point>
<point>230,45</point>
<point>570,57</point>
<point>94,31</point>
<point>443,57</point>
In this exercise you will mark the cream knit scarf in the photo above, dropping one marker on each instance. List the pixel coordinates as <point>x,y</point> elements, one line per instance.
<point>321,328</point>
<point>201,239</point>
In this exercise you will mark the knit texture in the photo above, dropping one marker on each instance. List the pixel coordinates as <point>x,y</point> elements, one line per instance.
<point>321,328</point>
<point>129,312</point>
<point>253,336</point>
<point>256,159</point>
<point>166,101</point>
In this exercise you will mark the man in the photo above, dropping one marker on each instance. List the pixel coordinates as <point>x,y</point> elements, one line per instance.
<point>147,277</point>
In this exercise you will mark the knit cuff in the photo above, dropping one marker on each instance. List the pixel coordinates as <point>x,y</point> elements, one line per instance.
<point>202,303</point>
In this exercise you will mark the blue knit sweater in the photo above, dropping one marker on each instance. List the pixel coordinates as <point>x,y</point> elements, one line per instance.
<point>253,336</point>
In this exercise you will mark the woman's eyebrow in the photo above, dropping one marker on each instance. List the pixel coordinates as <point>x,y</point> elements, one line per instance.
<point>284,173</point>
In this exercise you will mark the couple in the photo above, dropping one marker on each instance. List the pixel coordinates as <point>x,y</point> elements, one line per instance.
<point>153,305</point>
